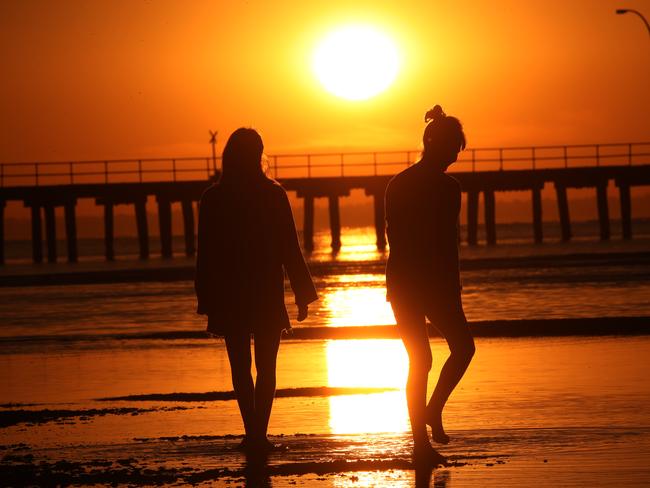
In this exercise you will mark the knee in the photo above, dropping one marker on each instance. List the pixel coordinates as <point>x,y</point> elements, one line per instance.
<point>421,363</point>
<point>464,350</point>
<point>266,374</point>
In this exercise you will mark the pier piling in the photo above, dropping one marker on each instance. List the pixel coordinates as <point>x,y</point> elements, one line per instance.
<point>37,234</point>
<point>71,230</point>
<point>490,218</point>
<point>109,231</point>
<point>117,187</point>
<point>143,229</point>
<point>308,223</point>
<point>50,233</point>
<point>472,217</point>
<point>603,211</point>
<point>165,226</point>
<point>626,210</point>
<point>538,232</point>
<point>188,227</point>
<point>335,222</point>
<point>563,209</point>
<point>2,232</point>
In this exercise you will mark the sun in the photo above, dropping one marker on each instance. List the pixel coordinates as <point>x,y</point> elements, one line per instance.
<point>356,62</point>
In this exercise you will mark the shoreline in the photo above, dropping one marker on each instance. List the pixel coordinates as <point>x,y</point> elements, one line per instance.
<point>559,327</point>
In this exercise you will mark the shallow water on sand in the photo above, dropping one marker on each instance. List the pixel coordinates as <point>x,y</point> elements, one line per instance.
<point>578,403</point>
<point>581,404</point>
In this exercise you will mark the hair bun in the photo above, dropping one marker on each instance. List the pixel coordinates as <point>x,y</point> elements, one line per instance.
<point>434,114</point>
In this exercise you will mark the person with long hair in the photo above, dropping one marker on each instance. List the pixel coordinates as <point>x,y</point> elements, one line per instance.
<point>422,275</point>
<point>247,239</point>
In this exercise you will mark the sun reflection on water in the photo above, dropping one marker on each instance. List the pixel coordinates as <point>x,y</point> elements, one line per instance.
<point>358,245</point>
<point>367,363</point>
<point>352,304</point>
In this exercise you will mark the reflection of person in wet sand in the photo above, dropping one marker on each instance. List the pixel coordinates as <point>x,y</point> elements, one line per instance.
<point>247,238</point>
<point>422,275</point>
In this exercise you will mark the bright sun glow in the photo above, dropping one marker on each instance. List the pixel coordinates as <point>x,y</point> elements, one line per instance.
<point>356,62</point>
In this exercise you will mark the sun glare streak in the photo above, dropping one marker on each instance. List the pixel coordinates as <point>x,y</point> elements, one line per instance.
<point>356,62</point>
<point>369,363</point>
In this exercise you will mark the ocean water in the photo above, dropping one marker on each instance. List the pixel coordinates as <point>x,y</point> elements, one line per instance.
<point>351,286</point>
<point>530,412</point>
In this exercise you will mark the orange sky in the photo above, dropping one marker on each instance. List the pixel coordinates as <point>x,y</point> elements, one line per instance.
<point>83,80</point>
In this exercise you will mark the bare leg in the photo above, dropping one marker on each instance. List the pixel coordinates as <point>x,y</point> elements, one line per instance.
<point>239,354</point>
<point>412,329</point>
<point>266,353</point>
<point>453,327</point>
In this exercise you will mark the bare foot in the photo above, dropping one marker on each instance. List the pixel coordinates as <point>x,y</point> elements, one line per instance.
<point>434,420</point>
<point>263,445</point>
<point>255,445</point>
<point>428,456</point>
<point>244,444</point>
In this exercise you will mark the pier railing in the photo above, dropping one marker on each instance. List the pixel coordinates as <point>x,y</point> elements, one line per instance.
<point>361,163</point>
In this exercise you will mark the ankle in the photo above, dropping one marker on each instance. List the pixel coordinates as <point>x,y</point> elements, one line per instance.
<point>421,441</point>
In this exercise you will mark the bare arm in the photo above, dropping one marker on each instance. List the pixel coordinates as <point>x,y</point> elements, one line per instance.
<point>293,260</point>
<point>202,258</point>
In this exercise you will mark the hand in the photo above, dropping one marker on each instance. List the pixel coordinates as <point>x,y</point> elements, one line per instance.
<point>302,312</point>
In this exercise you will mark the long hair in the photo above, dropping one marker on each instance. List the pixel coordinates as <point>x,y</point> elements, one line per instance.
<point>242,156</point>
<point>443,134</point>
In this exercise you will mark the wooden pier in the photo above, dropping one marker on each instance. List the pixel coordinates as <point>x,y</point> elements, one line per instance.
<point>43,190</point>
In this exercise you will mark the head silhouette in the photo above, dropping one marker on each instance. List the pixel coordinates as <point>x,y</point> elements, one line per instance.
<point>443,138</point>
<point>242,155</point>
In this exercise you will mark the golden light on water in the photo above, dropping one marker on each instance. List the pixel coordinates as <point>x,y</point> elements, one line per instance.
<point>367,363</point>
<point>356,305</point>
<point>356,62</point>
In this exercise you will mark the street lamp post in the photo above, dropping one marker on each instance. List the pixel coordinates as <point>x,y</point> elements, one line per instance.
<point>621,11</point>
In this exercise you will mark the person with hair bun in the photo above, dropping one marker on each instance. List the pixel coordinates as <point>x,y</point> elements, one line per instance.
<point>247,239</point>
<point>422,275</point>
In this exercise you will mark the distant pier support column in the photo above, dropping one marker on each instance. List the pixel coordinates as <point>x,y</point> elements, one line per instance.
<point>37,234</point>
<point>50,233</point>
<point>71,230</point>
<point>537,216</point>
<point>109,231</point>
<point>380,220</point>
<point>2,232</point>
<point>188,227</point>
<point>603,211</point>
<point>308,223</point>
<point>165,226</point>
<point>472,217</point>
<point>335,222</point>
<point>563,209</point>
<point>626,210</point>
<point>490,219</point>
<point>143,229</point>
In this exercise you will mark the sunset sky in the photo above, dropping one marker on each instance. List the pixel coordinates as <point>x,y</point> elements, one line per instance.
<point>83,80</point>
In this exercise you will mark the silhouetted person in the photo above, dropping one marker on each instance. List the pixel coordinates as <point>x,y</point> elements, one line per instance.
<point>247,238</point>
<point>422,274</point>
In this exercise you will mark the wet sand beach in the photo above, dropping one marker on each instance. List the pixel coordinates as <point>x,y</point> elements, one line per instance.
<point>565,411</point>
